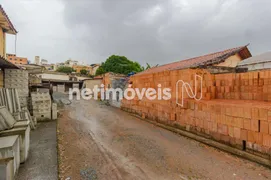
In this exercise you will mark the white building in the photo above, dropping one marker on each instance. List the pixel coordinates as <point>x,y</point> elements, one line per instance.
<point>259,62</point>
<point>43,62</point>
<point>71,63</point>
<point>37,60</point>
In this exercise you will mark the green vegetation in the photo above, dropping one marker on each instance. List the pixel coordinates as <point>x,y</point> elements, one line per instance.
<point>83,72</point>
<point>119,64</point>
<point>148,66</point>
<point>65,69</point>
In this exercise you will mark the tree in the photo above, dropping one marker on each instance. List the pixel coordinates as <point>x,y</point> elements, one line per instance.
<point>118,64</point>
<point>83,72</point>
<point>65,69</point>
<point>100,71</point>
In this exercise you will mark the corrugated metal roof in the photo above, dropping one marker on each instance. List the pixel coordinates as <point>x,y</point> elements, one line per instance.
<point>208,59</point>
<point>262,58</point>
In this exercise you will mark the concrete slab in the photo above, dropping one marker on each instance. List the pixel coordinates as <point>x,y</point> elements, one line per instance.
<point>24,138</point>
<point>19,124</point>
<point>42,160</point>
<point>7,169</point>
<point>17,116</point>
<point>9,156</point>
<point>26,116</point>
<point>7,121</point>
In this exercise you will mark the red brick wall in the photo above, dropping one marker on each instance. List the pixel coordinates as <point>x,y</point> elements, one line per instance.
<point>234,107</point>
<point>246,86</point>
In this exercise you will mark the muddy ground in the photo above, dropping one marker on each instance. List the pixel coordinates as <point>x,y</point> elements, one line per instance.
<point>101,142</point>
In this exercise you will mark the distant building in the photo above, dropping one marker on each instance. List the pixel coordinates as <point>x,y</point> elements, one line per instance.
<point>71,63</point>
<point>90,69</point>
<point>16,60</point>
<point>78,68</point>
<point>43,62</point>
<point>37,60</point>
<point>58,65</point>
<point>259,62</point>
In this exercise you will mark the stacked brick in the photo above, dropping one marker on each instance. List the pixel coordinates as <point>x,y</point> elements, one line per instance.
<point>235,108</point>
<point>233,122</point>
<point>41,105</point>
<point>244,86</point>
<point>18,79</point>
<point>165,109</point>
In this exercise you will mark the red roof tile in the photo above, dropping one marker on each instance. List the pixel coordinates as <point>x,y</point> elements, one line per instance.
<point>208,59</point>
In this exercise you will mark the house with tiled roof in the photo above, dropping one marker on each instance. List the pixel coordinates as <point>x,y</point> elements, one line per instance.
<point>226,58</point>
<point>6,27</point>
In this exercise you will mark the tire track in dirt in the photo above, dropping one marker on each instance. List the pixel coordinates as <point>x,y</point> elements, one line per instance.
<point>126,167</point>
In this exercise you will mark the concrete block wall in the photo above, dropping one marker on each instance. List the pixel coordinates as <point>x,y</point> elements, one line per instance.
<point>75,85</point>
<point>60,88</point>
<point>18,79</point>
<point>41,105</point>
<point>117,83</point>
<point>233,110</point>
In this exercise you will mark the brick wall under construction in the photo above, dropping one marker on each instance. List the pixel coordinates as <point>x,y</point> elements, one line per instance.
<point>235,108</point>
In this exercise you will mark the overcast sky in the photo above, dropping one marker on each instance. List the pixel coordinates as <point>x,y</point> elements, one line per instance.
<point>154,31</point>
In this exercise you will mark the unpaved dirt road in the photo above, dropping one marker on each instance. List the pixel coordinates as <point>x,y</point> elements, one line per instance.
<point>101,142</point>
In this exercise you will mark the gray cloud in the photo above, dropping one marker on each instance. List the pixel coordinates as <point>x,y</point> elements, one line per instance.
<point>163,31</point>
<point>154,31</point>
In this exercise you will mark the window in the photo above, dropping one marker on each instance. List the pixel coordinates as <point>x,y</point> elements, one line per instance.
<point>20,59</point>
<point>10,58</point>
